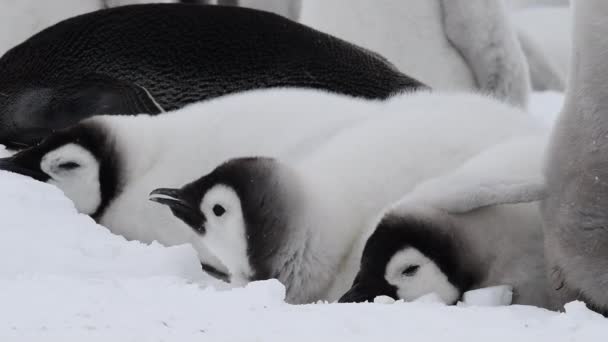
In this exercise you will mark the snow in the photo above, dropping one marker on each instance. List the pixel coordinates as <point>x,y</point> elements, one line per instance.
<point>65,278</point>
<point>490,296</point>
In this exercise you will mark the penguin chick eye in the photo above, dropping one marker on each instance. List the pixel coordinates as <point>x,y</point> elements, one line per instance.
<point>410,270</point>
<point>68,166</point>
<point>218,210</point>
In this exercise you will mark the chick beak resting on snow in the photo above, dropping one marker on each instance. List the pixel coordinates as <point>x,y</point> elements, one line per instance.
<point>181,208</point>
<point>188,212</point>
<point>10,164</point>
<point>367,292</point>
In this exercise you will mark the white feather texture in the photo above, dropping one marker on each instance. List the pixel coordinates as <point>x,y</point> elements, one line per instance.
<point>355,174</point>
<point>174,149</point>
<point>509,172</point>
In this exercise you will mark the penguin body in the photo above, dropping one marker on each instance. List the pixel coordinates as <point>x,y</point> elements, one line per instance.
<point>472,228</point>
<point>574,213</point>
<point>297,219</point>
<point>160,57</point>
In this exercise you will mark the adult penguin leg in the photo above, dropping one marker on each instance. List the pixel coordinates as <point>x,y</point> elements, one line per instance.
<point>481,31</point>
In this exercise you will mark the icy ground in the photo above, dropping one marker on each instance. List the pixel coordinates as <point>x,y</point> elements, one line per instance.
<point>64,278</point>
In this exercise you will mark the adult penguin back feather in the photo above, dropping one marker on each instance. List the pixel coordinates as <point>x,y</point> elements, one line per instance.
<point>163,56</point>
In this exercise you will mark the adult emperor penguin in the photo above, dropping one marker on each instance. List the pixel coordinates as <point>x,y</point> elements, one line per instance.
<point>447,44</point>
<point>575,215</point>
<point>469,229</point>
<point>150,58</point>
<point>297,220</point>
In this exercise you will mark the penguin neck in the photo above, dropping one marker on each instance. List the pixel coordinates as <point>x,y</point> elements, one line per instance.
<point>472,260</point>
<point>456,253</point>
<point>317,244</point>
<point>587,93</point>
<point>130,133</point>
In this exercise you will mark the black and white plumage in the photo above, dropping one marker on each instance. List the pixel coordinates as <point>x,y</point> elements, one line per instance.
<point>296,220</point>
<point>469,229</point>
<point>575,212</point>
<point>155,57</point>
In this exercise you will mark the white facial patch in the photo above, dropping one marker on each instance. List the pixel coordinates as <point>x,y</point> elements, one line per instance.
<point>75,171</point>
<point>225,234</point>
<point>414,275</point>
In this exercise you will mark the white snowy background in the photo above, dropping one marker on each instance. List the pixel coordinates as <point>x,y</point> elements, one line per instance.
<point>65,278</point>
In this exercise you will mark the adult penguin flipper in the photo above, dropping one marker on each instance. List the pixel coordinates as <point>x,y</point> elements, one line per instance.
<point>483,34</point>
<point>38,111</point>
<point>508,173</point>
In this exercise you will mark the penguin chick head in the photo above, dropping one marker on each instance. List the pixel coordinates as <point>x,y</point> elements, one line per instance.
<point>239,212</point>
<point>408,257</point>
<point>77,160</point>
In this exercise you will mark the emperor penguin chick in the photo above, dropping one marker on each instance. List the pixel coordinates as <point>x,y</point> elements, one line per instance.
<point>470,229</point>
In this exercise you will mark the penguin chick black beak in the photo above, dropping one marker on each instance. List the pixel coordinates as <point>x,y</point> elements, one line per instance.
<point>180,207</point>
<point>360,293</point>
<point>11,165</point>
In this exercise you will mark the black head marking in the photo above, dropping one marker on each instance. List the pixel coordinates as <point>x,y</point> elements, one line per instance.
<point>90,135</point>
<point>393,234</point>
<point>183,204</point>
<point>257,182</point>
<point>365,289</point>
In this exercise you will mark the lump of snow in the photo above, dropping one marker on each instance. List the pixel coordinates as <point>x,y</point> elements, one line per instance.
<point>266,291</point>
<point>579,310</point>
<point>384,300</point>
<point>489,296</point>
<point>430,298</point>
